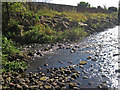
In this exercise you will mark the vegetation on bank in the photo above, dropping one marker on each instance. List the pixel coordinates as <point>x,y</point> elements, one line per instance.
<point>12,61</point>
<point>25,24</point>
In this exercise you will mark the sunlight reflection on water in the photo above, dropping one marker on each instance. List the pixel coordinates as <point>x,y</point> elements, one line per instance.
<point>108,40</point>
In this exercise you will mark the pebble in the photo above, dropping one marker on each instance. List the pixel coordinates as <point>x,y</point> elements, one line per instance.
<point>85,77</point>
<point>45,64</point>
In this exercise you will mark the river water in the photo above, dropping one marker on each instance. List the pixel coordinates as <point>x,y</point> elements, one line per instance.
<point>102,46</point>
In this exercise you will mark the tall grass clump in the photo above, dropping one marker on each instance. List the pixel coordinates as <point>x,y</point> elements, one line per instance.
<point>39,34</point>
<point>10,54</point>
<point>76,34</point>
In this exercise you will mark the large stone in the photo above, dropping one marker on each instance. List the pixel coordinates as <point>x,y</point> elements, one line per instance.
<point>18,87</point>
<point>68,72</point>
<point>41,88</point>
<point>71,85</point>
<point>44,78</point>
<point>75,75</point>
<point>57,88</point>
<point>61,84</point>
<point>83,62</point>
<point>85,77</point>
<point>34,87</point>
<point>24,86</point>
<point>47,87</point>
<point>63,88</point>
<point>11,85</point>
<point>94,59</point>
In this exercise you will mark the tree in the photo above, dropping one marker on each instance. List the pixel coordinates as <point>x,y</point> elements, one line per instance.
<point>112,9</point>
<point>99,7</point>
<point>84,4</point>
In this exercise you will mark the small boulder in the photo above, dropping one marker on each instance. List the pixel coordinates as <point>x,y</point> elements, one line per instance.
<point>45,64</point>
<point>83,62</point>
<point>85,77</point>
<point>47,87</point>
<point>71,85</point>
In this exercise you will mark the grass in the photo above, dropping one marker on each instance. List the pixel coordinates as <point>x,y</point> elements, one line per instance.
<point>34,31</point>
<point>9,57</point>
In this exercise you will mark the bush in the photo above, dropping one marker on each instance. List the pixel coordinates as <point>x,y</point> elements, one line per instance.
<point>8,46</point>
<point>13,66</point>
<point>72,35</point>
<point>9,51</point>
<point>39,34</point>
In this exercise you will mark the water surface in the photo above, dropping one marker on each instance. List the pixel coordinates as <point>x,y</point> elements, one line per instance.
<point>103,46</point>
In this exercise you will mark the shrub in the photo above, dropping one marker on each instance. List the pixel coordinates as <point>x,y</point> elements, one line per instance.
<point>8,46</point>
<point>39,34</point>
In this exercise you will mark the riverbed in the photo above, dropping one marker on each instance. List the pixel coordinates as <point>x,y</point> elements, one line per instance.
<point>100,50</point>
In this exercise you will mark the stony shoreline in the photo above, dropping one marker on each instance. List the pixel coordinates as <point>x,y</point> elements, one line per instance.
<point>58,78</point>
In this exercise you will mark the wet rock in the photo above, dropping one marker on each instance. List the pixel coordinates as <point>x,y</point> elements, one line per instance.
<point>21,70</point>
<point>54,84</point>
<point>81,66</point>
<point>61,84</point>
<point>39,53</point>
<point>72,85</point>
<point>118,71</point>
<point>83,62</point>
<point>68,72</point>
<point>71,51</point>
<point>72,66</point>
<point>61,62</point>
<point>18,87</point>
<point>57,88</point>
<point>50,80</point>
<point>76,88</point>
<point>34,87</point>
<point>91,65</point>
<point>41,88</point>
<point>45,64</point>
<point>74,49</point>
<point>24,86</point>
<point>89,83</point>
<point>69,62</point>
<point>104,85</point>
<point>63,88</point>
<point>39,68</point>
<point>75,75</point>
<point>43,78</point>
<point>11,85</point>
<point>103,75</point>
<point>47,87</point>
<point>48,70</point>
<point>15,74</point>
<point>46,49</point>
<point>85,77</point>
<point>94,59</point>
<point>99,86</point>
<point>89,57</point>
<point>30,54</point>
<point>40,83</point>
<point>96,55</point>
<point>71,79</point>
<point>115,54</point>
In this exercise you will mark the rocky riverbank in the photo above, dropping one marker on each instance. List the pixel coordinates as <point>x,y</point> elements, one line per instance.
<point>54,78</point>
<point>31,32</point>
